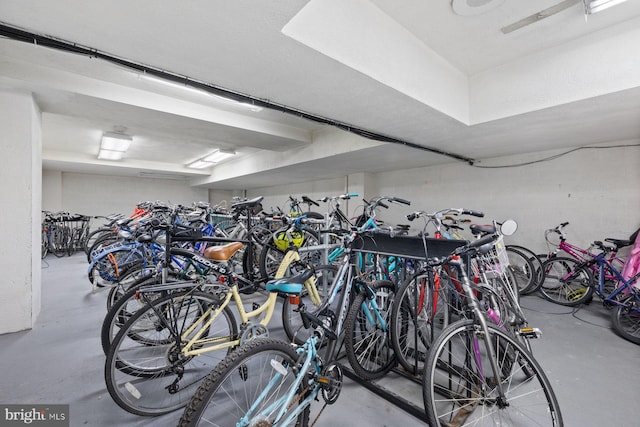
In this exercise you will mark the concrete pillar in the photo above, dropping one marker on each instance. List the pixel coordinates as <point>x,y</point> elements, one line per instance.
<point>362,184</point>
<point>20,196</point>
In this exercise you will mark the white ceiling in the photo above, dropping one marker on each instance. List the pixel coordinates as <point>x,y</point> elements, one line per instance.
<point>415,71</point>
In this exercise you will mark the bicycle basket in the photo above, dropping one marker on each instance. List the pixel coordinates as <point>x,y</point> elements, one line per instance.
<point>496,261</point>
<point>282,241</point>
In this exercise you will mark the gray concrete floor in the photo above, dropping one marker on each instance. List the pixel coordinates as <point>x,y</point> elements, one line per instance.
<point>595,373</point>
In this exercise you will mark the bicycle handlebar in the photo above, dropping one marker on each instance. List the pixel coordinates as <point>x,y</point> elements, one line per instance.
<point>472,213</point>
<point>438,214</point>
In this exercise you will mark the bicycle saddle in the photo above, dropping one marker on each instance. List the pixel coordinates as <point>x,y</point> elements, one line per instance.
<point>477,229</point>
<point>618,242</point>
<point>247,203</point>
<point>222,253</point>
<point>289,285</point>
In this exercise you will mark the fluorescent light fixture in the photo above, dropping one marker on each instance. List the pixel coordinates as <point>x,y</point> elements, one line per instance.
<point>110,155</point>
<point>186,87</point>
<point>200,164</point>
<point>219,155</point>
<point>115,141</point>
<point>113,145</point>
<point>211,159</point>
<point>593,6</point>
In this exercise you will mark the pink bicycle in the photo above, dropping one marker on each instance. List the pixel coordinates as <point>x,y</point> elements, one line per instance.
<point>561,251</point>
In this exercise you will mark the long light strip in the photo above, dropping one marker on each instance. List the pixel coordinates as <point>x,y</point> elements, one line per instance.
<point>192,89</point>
<point>593,6</point>
<point>211,159</point>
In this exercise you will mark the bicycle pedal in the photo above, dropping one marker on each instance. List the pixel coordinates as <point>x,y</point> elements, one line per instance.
<point>530,332</point>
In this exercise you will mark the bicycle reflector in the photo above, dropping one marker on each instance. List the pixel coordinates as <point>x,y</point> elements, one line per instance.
<point>282,241</point>
<point>294,299</point>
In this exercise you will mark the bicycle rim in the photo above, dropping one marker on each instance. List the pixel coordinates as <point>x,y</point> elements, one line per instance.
<point>145,372</point>
<point>237,383</point>
<point>460,388</point>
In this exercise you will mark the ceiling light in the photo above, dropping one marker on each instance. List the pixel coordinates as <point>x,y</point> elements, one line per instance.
<point>110,154</point>
<point>593,6</point>
<point>115,141</point>
<point>211,159</point>
<point>113,145</point>
<point>202,91</point>
<point>200,164</point>
<point>219,155</point>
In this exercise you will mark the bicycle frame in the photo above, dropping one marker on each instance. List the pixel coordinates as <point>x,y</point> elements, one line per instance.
<point>578,253</point>
<point>311,358</point>
<point>625,286</point>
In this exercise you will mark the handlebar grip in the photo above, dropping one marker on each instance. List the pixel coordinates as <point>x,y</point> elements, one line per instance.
<point>383,205</point>
<point>483,241</point>
<point>412,216</point>
<point>473,213</point>
<point>403,201</point>
<point>564,224</point>
<point>348,196</point>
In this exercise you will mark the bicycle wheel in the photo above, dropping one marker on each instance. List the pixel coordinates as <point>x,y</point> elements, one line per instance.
<point>368,331</point>
<point>109,269</point>
<point>127,305</point>
<point>93,236</point>
<point>460,387</point>
<point>412,322</point>
<point>146,372</point>
<point>536,262</point>
<point>626,319</point>
<point>232,391</point>
<point>566,282</point>
<point>44,244</point>
<point>522,268</point>
<point>291,319</point>
<point>57,242</point>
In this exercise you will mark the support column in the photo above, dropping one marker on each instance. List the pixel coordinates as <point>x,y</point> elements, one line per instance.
<point>20,193</point>
<point>363,184</point>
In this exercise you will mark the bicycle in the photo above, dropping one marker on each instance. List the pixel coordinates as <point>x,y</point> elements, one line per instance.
<point>367,265</point>
<point>578,254</point>
<point>268,381</point>
<point>571,283</point>
<point>476,372</point>
<point>164,348</point>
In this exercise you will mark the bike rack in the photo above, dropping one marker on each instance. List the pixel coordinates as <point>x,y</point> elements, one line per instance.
<point>406,247</point>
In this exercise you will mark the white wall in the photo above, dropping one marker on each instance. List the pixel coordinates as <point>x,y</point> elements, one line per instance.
<point>596,190</point>
<point>102,195</point>
<point>21,140</point>
<point>278,196</point>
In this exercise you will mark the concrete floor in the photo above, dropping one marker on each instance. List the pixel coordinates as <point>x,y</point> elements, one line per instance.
<point>595,373</point>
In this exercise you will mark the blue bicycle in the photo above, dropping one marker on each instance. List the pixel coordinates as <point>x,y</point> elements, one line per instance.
<point>570,282</point>
<point>269,381</point>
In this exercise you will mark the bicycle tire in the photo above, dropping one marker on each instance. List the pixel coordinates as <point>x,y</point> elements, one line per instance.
<point>522,268</point>
<point>103,240</point>
<point>108,270</point>
<point>57,242</point>
<point>235,384</point>
<point>291,320</point>
<point>145,373</point>
<point>459,386</point>
<point>368,346</point>
<point>411,322</point>
<point>566,282</point>
<point>537,267</point>
<point>125,307</point>
<point>93,236</point>
<point>626,319</point>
